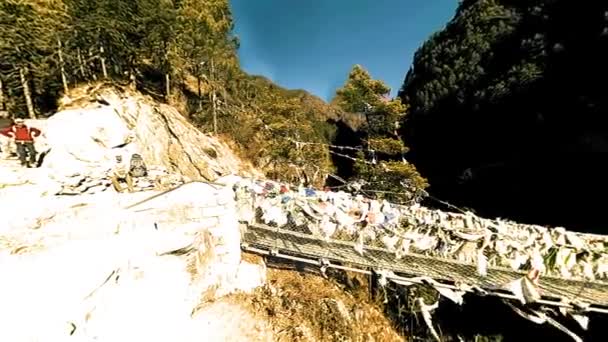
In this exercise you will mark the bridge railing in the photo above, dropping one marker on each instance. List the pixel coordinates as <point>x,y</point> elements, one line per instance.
<point>466,238</point>
<point>457,249</point>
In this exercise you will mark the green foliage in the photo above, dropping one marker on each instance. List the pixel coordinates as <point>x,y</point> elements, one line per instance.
<point>360,89</point>
<point>187,46</point>
<point>190,41</point>
<point>387,146</point>
<point>361,93</point>
<point>457,59</point>
<point>392,180</point>
<point>289,159</point>
<point>111,25</point>
<point>29,40</point>
<point>204,35</point>
<point>273,126</point>
<point>132,37</point>
<point>158,23</point>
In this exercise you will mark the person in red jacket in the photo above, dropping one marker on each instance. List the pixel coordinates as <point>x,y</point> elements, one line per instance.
<point>24,139</point>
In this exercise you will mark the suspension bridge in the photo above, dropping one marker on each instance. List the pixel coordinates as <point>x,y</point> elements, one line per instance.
<point>282,243</point>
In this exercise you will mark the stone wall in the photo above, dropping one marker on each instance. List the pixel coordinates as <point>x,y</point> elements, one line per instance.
<point>138,273</point>
<point>200,217</point>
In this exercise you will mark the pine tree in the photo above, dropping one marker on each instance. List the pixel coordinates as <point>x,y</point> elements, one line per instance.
<point>382,166</point>
<point>108,30</point>
<point>29,32</point>
<point>158,23</point>
<point>205,48</point>
<point>188,46</point>
<point>296,151</point>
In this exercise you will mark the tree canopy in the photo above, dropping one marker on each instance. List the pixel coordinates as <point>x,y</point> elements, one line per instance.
<point>381,163</point>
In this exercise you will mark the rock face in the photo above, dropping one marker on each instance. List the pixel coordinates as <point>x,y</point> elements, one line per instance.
<point>164,137</point>
<point>82,141</point>
<point>108,266</point>
<point>131,267</point>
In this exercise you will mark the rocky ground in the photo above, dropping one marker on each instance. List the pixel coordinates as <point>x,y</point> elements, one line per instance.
<point>77,265</point>
<point>80,267</point>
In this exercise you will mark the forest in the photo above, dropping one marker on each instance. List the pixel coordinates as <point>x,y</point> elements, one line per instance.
<point>181,52</point>
<point>507,111</point>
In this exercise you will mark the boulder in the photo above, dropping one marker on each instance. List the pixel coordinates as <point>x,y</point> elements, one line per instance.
<point>82,141</point>
<point>158,132</point>
<point>80,144</point>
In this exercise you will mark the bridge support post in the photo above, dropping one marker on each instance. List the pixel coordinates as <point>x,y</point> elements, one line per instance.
<point>323,262</point>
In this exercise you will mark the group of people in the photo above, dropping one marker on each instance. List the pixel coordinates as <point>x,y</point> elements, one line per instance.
<point>17,137</point>
<point>123,171</point>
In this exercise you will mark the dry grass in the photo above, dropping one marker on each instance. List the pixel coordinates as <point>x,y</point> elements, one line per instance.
<point>301,306</point>
<point>252,258</point>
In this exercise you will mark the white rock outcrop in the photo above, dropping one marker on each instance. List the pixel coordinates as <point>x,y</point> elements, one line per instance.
<point>111,117</point>
<point>106,266</point>
<point>82,140</point>
<point>79,144</point>
<point>125,269</point>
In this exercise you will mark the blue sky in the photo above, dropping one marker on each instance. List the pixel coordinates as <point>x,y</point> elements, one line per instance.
<point>312,44</point>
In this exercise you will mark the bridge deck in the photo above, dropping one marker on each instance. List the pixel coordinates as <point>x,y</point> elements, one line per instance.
<point>303,245</point>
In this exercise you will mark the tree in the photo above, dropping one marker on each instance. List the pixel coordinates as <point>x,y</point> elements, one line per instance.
<point>29,32</point>
<point>179,50</point>
<point>206,48</point>
<point>382,166</point>
<point>158,22</point>
<point>297,151</point>
<point>108,30</point>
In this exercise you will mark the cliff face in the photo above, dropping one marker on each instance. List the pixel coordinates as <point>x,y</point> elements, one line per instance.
<point>110,118</point>
<point>507,111</point>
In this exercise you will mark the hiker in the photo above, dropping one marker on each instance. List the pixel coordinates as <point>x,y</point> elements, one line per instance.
<point>24,139</point>
<point>137,167</point>
<point>120,172</point>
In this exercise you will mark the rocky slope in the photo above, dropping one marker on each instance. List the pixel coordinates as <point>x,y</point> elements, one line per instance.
<point>80,141</point>
<point>116,117</point>
<point>86,267</point>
